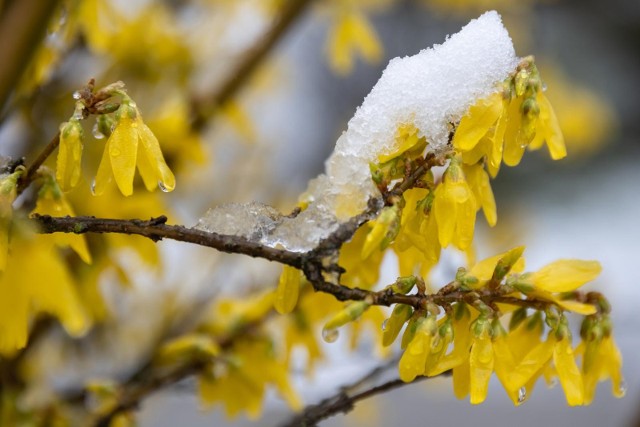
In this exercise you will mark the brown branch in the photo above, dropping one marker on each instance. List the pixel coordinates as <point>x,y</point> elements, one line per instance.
<point>32,170</point>
<point>22,28</point>
<point>202,106</point>
<point>156,230</point>
<point>345,402</point>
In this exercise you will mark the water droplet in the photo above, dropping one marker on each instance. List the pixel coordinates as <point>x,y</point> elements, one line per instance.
<point>93,187</point>
<point>163,187</point>
<point>552,382</point>
<point>522,394</point>
<point>96,132</point>
<point>384,324</point>
<point>544,87</point>
<point>330,335</point>
<point>623,388</point>
<point>77,114</point>
<point>114,151</point>
<point>77,95</point>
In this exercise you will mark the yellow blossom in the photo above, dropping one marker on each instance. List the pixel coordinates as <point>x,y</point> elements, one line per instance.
<point>351,35</point>
<point>68,166</point>
<point>413,360</point>
<point>455,208</point>
<point>132,144</point>
<point>478,180</point>
<point>288,290</point>
<point>601,358</point>
<point>25,291</point>
<point>567,369</point>
<point>481,117</point>
<point>565,275</point>
<point>481,362</point>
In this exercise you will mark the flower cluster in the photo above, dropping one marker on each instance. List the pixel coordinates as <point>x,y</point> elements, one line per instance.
<point>470,340</point>
<point>130,145</point>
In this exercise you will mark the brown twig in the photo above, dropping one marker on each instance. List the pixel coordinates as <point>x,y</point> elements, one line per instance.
<point>22,27</point>
<point>202,106</point>
<point>344,402</point>
<point>32,170</point>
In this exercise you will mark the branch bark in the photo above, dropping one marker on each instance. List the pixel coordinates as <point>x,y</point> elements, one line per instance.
<point>203,106</point>
<point>23,26</point>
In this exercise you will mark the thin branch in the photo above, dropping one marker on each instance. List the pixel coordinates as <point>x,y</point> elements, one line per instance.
<point>32,170</point>
<point>156,230</point>
<point>344,402</point>
<point>203,106</point>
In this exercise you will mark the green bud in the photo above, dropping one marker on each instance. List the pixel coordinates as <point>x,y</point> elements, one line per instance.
<point>401,313</point>
<point>403,285</point>
<point>520,80</point>
<point>507,262</point>
<point>410,331</point>
<point>348,314</point>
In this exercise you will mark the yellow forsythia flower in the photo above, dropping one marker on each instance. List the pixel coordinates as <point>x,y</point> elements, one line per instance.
<point>478,180</point>
<point>352,34</point>
<point>565,275</point>
<point>455,208</point>
<point>567,369</point>
<point>68,166</point>
<point>414,359</point>
<point>481,362</point>
<point>601,359</point>
<point>132,144</point>
<point>288,290</point>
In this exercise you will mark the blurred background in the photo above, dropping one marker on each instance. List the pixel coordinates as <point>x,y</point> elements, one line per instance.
<point>268,137</point>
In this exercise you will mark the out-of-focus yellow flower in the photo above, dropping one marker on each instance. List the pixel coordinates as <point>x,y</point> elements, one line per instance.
<point>586,118</point>
<point>8,194</point>
<point>241,386</point>
<point>455,208</point>
<point>288,290</point>
<point>132,144</point>
<point>360,272</point>
<point>478,180</point>
<point>351,35</point>
<point>25,291</point>
<point>51,201</point>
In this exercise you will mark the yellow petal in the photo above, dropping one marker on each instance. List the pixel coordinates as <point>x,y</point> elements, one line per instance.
<point>551,129</point>
<point>288,290</point>
<point>477,122</point>
<point>513,149</point>
<point>481,363</point>
<point>68,166</point>
<point>565,275</point>
<point>568,372</point>
<point>123,152</point>
<point>531,364</point>
<point>104,173</point>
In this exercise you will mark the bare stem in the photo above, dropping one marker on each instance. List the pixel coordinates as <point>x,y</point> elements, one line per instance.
<point>205,104</point>
<point>344,402</point>
<point>32,170</point>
